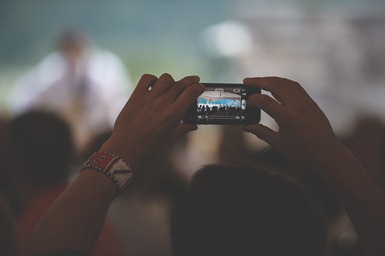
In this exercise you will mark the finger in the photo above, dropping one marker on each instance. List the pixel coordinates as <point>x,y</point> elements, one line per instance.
<point>282,89</point>
<point>183,129</point>
<point>145,82</point>
<point>189,80</point>
<point>187,98</point>
<point>164,82</point>
<point>266,134</point>
<point>272,107</point>
<point>177,88</point>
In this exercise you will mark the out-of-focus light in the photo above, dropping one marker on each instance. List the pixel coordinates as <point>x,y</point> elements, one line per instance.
<point>227,39</point>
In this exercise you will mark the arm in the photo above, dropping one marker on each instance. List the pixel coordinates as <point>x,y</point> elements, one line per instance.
<point>305,137</point>
<point>148,124</point>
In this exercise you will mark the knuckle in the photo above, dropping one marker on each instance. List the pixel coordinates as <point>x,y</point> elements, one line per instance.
<point>188,80</point>
<point>195,89</point>
<point>166,77</point>
<point>148,76</point>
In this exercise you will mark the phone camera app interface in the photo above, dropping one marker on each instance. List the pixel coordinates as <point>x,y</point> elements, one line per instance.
<point>227,103</point>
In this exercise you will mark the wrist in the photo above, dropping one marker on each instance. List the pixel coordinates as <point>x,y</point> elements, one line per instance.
<point>128,154</point>
<point>337,162</point>
<point>111,165</point>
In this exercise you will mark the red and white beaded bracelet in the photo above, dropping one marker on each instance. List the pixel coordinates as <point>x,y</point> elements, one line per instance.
<point>111,165</point>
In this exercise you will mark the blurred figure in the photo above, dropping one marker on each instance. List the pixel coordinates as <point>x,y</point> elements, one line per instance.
<point>42,151</point>
<point>341,237</point>
<point>140,216</point>
<point>9,180</point>
<point>86,85</point>
<point>8,237</point>
<point>10,199</point>
<point>228,206</point>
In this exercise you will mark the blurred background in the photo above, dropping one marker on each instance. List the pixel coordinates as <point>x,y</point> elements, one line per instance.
<point>335,49</point>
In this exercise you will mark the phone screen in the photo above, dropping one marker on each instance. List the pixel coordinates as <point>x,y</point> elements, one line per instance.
<point>223,104</point>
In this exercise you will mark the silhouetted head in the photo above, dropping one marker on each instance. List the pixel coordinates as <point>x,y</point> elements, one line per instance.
<point>72,43</point>
<point>42,147</point>
<point>235,211</point>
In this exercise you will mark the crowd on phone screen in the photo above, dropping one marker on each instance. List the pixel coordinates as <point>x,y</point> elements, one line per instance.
<point>219,110</point>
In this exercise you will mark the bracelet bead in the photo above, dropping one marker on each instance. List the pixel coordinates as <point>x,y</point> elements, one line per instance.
<point>111,165</point>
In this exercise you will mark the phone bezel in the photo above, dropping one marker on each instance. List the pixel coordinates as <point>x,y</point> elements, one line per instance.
<point>252,115</point>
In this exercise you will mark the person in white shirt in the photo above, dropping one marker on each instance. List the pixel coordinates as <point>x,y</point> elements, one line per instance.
<point>86,85</point>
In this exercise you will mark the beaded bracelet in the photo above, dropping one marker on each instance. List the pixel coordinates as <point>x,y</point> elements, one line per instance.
<point>111,165</point>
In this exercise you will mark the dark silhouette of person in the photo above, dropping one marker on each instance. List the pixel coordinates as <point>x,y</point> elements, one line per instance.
<point>231,210</point>
<point>43,152</point>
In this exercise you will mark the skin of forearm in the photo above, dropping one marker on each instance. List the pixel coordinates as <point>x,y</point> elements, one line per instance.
<point>68,223</point>
<point>363,200</point>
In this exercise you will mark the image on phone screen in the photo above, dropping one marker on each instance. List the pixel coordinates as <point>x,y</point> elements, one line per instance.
<point>223,104</point>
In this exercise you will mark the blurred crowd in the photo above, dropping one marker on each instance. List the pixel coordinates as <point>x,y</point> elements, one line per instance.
<point>38,159</point>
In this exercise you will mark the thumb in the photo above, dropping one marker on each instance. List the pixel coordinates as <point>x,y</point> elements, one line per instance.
<point>183,129</point>
<point>266,134</point>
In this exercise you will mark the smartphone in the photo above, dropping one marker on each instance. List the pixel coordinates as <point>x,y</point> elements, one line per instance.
<point>224,104</point>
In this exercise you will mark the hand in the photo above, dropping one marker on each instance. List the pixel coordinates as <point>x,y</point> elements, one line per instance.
<point>305,134</point>
<point>151,119</point>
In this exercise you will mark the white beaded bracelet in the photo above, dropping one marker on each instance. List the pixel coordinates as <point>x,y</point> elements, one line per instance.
<point>111,165</point>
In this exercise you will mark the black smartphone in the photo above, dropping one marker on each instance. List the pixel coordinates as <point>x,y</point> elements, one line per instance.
<point>224,104</point>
